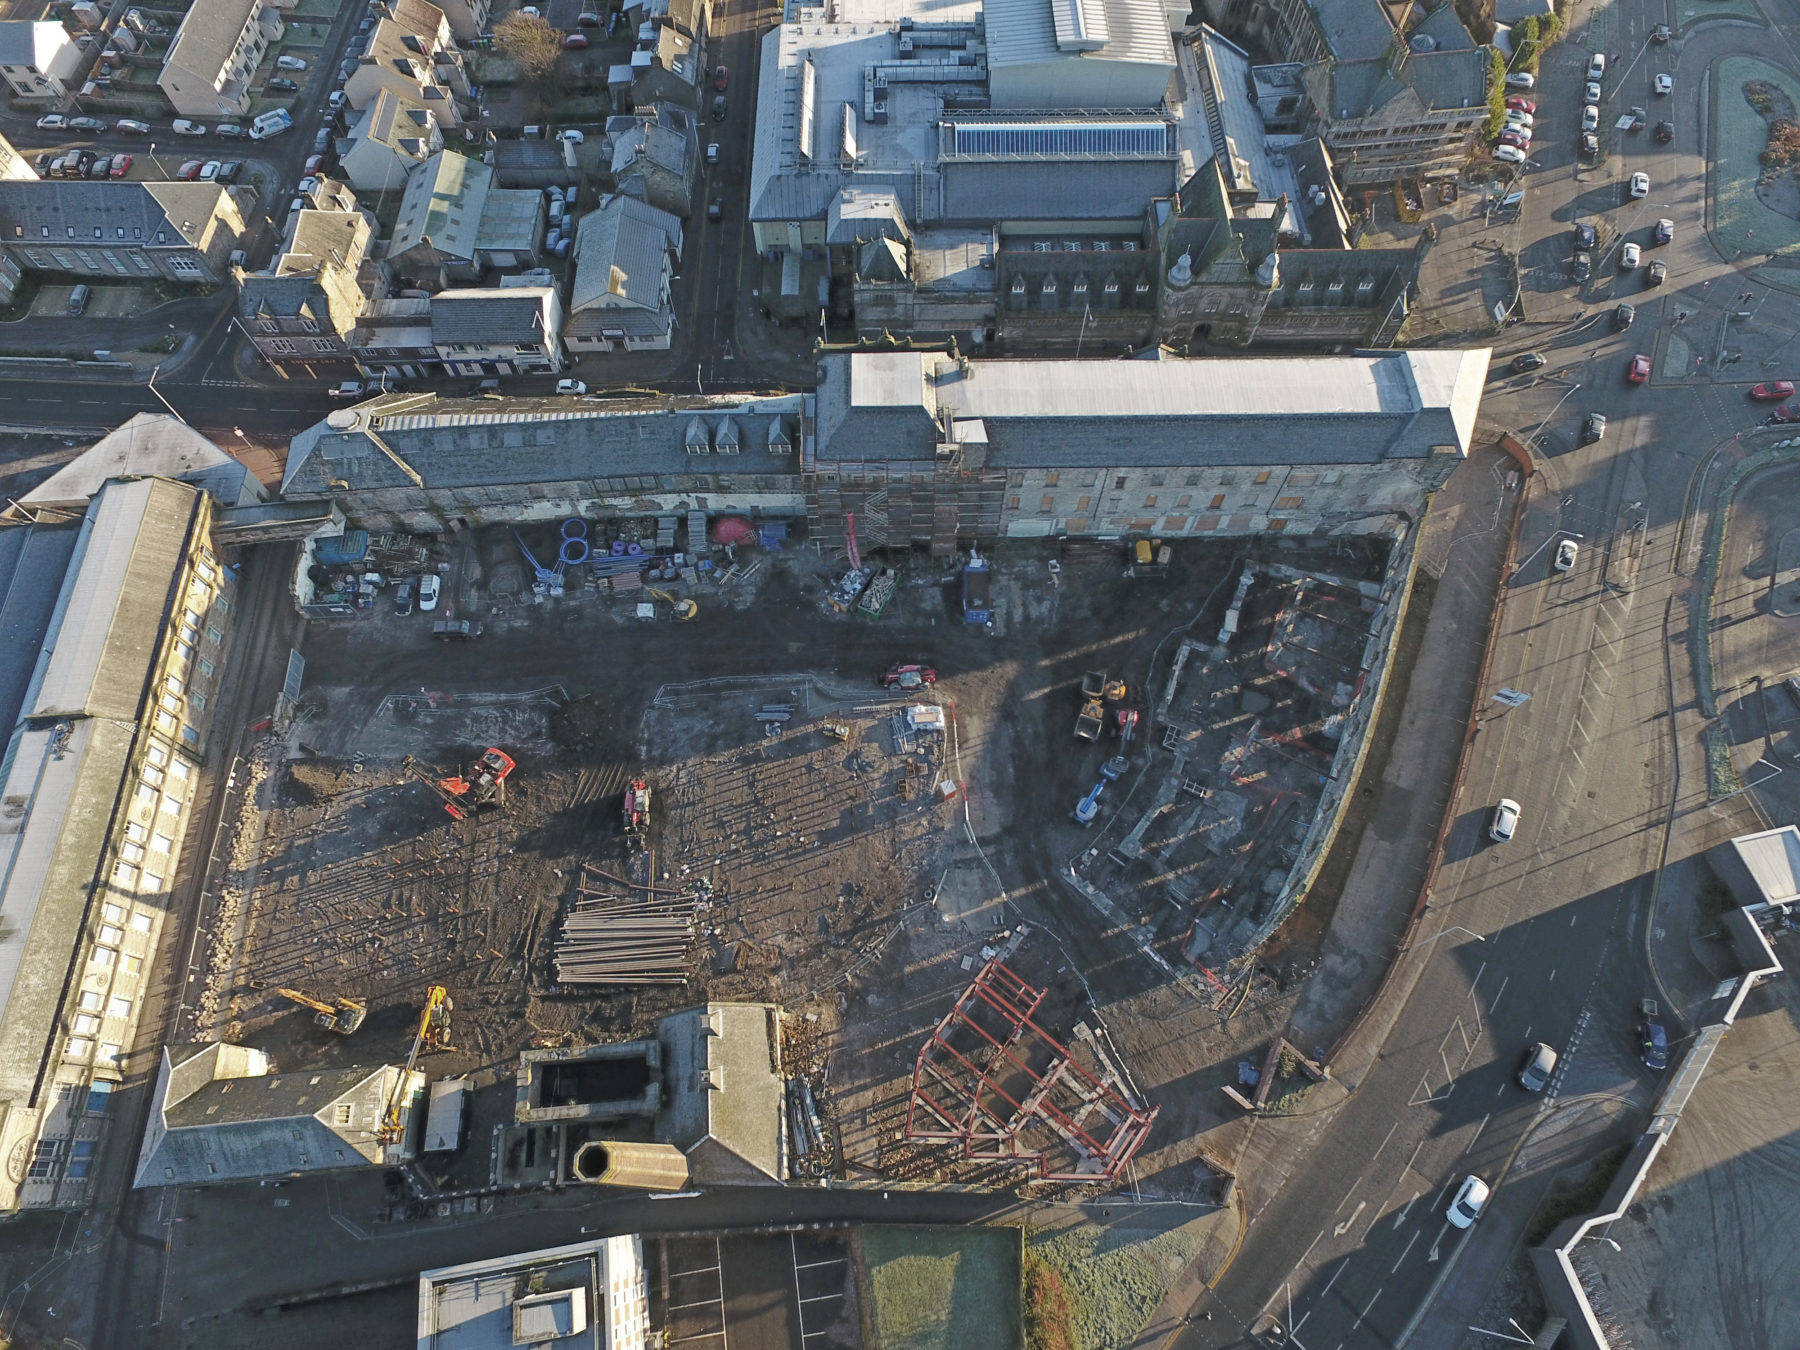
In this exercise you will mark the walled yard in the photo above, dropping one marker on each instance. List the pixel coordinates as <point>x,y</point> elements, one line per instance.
<point>861,882</point>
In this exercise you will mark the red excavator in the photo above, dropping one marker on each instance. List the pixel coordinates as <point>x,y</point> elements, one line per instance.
<point>484,784</point>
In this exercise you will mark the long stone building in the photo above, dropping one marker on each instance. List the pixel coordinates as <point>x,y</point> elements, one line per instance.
<point>928,449</point>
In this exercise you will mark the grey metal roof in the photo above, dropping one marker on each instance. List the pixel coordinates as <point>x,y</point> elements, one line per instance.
<point>461,443</point>
<point>145,215</point>
<point>1024,32</point>
<point>628,234</point>
<point>117,601</point>
<point>479,317</point>
<point>724,1104</point>
<point>208,34</point>
<point>443,202</point>
<point>1334,409</point>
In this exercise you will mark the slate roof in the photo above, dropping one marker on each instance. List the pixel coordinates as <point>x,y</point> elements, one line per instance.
<point>480,317</point>
<point>1098,189</point>
<point>1333,409</point>
<point>33,561</point>
<point>209,32</point>
<point>1355,30</point>
<point>152,215</point>
<point>724,1103</point>
<point>465,443</point>
<point>150,444</point>
<point>628,234</point>
<point>25,42</point>
<point>220,1115</point>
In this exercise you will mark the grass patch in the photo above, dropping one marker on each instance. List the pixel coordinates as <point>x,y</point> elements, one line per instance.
<point>1049,1318</point>
<point>1571,1199</point>
<point>1114,1276</point>
<point>1721,776</point>
<point>944,1288</point>
<point>168,342</point>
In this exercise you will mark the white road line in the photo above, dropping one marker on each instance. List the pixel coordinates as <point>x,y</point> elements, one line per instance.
<point>821,1298</point>
<point>1409,1246</point>
<point>1418,1149</point>
<point>1344,1227</point>
<point>1406,1209</point>
<point>1501,990</point>
<point>1384,1142</point>
<point>683,1307</point>
<point>697,1270</point>
<point>814,1265</point>
<point>1553,973</point>
<point>1365,1312</point>
<point>1573,917</point>
<point>1478,1129</point>
<point>1309,1249</point>
<point>1347,1195</point>
<point>1334,1278</point>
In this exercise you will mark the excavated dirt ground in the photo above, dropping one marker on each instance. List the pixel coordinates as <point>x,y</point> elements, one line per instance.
<point>847,883</point>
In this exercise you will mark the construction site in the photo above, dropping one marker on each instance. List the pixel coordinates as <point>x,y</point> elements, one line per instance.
<point>959,840</point>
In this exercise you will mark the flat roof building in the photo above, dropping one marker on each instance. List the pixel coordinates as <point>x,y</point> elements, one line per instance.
<point>585,1296</point>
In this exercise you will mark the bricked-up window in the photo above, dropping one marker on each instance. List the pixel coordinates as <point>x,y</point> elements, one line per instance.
<point>1084,504</point>
<point>1278,525</point>
<point>1012,503</point>
<point>1119,482</point>
<point>1051,478</point>
<point>1218,502</point>
<point>1047,503</point>
<point>1150,502</point>
<point>1263,477</point>
<point>1287,503</point>
<point>1016,479</point>
<point>1184,499</point>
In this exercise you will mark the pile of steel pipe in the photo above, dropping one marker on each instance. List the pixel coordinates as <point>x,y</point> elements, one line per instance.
<point>609,939</point>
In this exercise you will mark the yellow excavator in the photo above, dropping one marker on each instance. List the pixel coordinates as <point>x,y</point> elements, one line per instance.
<point>684,609</point>
<point>433,1034</point>
<point>343,1015</point>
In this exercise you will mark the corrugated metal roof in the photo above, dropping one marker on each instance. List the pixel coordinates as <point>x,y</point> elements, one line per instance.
<point>1023,32</point>
<point>120,597</point>
<point>33,559</point>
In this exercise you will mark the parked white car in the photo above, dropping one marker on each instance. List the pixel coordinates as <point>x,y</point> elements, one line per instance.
<point>1640,185</point>
<point>1471,1199</point>
<point>1509,154</point>
<point>182,127</point>
<point>572,136</point>
<point>290,63</point>
<point>570,387</point>
<point>1590,118</point>
<point>1521,79</point>
<point>1629,257</point>
<point>429,586</point>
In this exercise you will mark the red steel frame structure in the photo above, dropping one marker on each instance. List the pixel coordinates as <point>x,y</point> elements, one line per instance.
<point>989,1074</point>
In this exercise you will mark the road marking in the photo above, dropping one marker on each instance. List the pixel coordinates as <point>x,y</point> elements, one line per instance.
<point>1409,1246</point>
<point>1344,1227</point>
<point>1501,990</point>
<point>1384,1142</point>
<point>1573,917</point>
<point>1309,1249</point>
<point>1334,1277</point>
<point>1366,1307</point>
<point>1406,1209</point>
<point>1478,1129</point>
<point>1553,974</point>
<point>1434,1258</point>
<point>1347,1195</point>
<point>1473,983</point>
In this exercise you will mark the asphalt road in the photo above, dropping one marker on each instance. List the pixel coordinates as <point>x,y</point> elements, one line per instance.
<point>1543,937</point>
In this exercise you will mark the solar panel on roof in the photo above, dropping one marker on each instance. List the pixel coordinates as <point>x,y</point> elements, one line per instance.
<point>1062,138</point>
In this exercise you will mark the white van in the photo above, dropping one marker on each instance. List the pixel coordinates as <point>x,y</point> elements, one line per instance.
<point>271,124</point>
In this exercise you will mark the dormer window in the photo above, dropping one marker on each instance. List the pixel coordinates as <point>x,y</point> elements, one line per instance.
<point>1018,286</point>
<point>1049,286</point>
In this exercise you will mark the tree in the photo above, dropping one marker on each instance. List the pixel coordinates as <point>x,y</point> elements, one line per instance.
<point>529,42</point>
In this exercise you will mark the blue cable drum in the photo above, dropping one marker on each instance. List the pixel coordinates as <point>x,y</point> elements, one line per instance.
<point>574,551</point>
<point>574,528</point>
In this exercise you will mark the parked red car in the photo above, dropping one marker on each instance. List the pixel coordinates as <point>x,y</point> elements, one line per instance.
<point>1774,391</point>
<point>121,165</point>
<point>1640,369</point>
<point>188,172</point>
<point>575,40</point>
<point>1518,104</point>
<point>1787,412</point>
<point>721,78</point>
